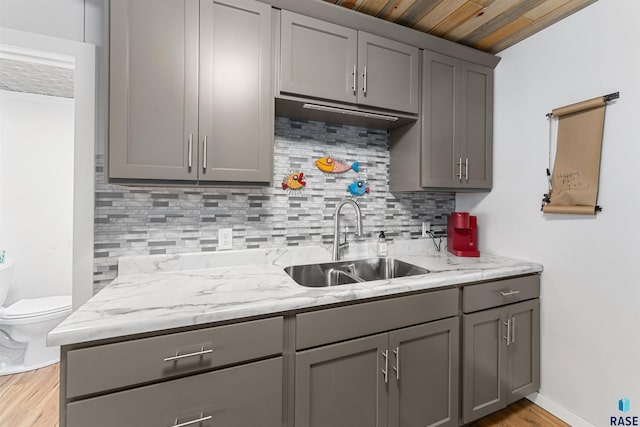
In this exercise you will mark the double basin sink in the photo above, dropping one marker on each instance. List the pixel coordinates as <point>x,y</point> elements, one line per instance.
<point>346,272</point>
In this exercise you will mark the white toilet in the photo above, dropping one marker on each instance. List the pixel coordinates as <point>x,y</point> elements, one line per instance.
<point>24,326</point>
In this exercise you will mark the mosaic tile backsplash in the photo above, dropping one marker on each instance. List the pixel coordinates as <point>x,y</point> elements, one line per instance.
<point>164,220</point>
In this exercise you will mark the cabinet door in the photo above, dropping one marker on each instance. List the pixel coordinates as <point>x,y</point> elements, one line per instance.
<point>424,369</point>
<point>389,74</point>
<point>343,385</point>
<point>524,349</point>
<point>246,395</point>
<point>484,379</point>
<point>476,121</point>
<point>153,105</point>
<point>236,100</point>
<point>318,58</point>
<point>439,165</point>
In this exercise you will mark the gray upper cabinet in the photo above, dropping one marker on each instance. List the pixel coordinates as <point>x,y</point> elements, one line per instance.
<point>389,73</point>
<point>153,111</point>
<point>236,100</point>
<point>476,119</point>
<point>457,123</point>
<point>323,60</point>
<point>452,148</point>
<point>318,59</point>
<point>184,73</point>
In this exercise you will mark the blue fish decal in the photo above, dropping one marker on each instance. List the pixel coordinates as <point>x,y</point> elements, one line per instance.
<point>358,188</point>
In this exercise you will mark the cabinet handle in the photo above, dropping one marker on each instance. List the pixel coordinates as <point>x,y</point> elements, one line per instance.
<point>513,330</point>
<point>460,169</point>
<point>508,337</point>
<point>466,169</point>
<point>364,82</point>
<point>385,371</point>
<point>396,352</point>
<point>355,83</point>
<point>192,422</point>
<point>190,160</point>
<point>204,154</point>
<point>509,293</point>
<point>184,356</point>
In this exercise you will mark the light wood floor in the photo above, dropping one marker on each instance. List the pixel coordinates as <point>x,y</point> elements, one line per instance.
<point>31,400</point>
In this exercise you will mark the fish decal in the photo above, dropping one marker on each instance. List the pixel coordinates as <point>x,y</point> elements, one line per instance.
<point>331,165</point>
<point>358,188</point>
<point>294,181</point>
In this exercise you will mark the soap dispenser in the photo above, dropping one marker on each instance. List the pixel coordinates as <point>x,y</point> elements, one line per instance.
<point>382,245</point>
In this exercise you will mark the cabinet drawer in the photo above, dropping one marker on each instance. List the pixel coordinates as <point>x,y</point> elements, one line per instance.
<point>337,324</point>
<point>246,395</point>
<point>501,292</point>
<point>123,364</point>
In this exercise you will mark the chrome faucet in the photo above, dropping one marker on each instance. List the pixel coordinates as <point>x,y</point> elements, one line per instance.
<point>336,227</point>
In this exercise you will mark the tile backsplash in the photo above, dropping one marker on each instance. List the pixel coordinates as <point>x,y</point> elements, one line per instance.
<point>165,220</point>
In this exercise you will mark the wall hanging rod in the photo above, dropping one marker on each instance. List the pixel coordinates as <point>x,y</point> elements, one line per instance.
<point>606,98</point>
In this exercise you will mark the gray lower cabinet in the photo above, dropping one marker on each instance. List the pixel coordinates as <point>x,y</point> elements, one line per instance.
<point>246,395</point>
<point>229,375</point>
<point>407,377</point>
<point>323,60</point>
<point>183,74</point>
<point>390,362</point>
<point>452,146</point>
<point>501,348</point>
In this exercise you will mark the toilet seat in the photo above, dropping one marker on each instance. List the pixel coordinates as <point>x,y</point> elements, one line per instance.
<point>36,307</point>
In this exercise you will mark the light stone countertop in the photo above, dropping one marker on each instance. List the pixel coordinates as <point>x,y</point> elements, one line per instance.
<point>157,292</point>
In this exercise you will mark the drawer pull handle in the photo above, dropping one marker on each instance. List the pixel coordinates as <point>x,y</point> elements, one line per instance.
<point>396,368</point>
<point>508,337</point>
<point>385,371</point>
<point>355,83</point>
<point>204,155</point>
<point>192,422</point>
<point>190,154</point>
<point>364,76</point>
<point>184,356</point>
<point>509,293</point>
<point>513,330</point>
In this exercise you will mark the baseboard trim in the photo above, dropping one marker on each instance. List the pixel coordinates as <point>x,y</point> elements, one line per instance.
<point>559,411</point>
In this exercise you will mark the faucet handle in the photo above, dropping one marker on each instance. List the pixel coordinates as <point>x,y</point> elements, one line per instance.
<point>345,244</point>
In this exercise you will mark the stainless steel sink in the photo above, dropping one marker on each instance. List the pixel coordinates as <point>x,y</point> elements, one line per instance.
<point>345,272</point>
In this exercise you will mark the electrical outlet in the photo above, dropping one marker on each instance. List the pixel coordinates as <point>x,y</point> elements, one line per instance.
<point>426,227</point>
<point>225,238</point>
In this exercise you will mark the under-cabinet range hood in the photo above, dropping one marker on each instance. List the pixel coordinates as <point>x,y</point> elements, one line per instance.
<point>311,109</point>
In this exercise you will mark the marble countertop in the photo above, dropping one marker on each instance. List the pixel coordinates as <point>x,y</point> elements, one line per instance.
<point>157,292</point>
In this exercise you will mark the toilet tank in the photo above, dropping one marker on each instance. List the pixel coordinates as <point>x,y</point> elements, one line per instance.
<point>6,272</point>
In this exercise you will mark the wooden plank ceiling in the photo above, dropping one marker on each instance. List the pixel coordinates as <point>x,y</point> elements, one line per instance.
<point>489,25</point>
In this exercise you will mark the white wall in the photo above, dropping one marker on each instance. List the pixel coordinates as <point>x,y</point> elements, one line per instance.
<point>590,287</point>
<point>57,18</point>
<point>36,192</point>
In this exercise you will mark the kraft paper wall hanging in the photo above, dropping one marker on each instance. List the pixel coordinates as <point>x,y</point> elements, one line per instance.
<point>573,184</point>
